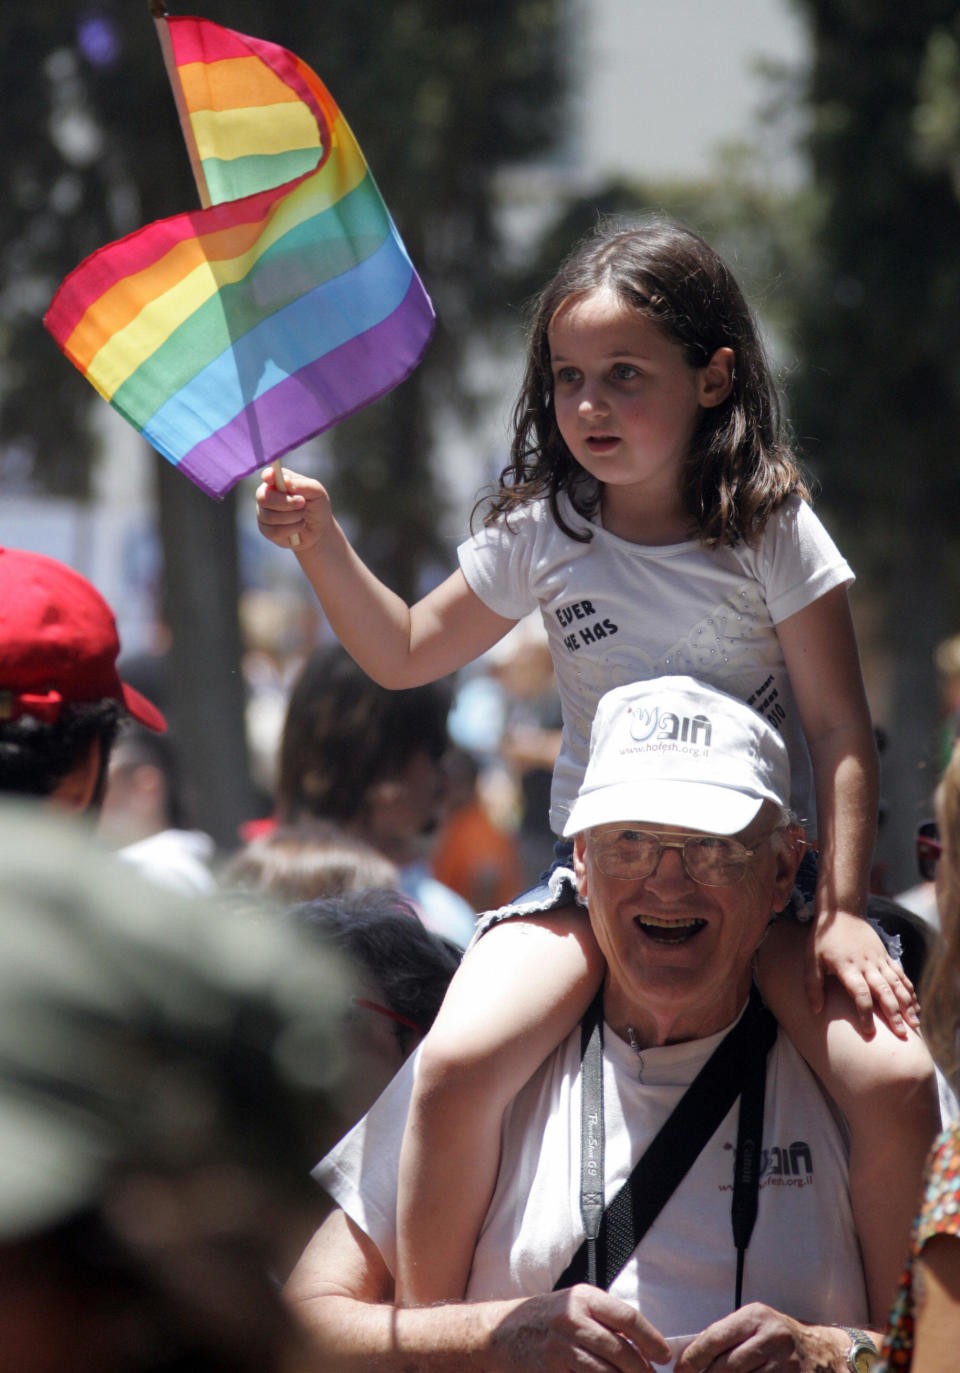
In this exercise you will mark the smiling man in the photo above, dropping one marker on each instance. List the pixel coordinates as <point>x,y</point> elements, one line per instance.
<point>679,1094</point>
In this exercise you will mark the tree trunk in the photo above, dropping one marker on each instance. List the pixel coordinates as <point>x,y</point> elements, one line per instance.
<point>918,611</point>
<point>201,590</point>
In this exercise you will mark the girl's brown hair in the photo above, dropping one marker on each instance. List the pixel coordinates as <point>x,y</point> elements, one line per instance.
<point>740,466</point>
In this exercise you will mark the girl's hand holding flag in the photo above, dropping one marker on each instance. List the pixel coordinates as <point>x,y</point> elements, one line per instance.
<point>301,511</point>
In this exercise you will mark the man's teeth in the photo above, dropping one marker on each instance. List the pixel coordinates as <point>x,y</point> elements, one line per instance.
<point>669,931</point>
<point>669,924</point>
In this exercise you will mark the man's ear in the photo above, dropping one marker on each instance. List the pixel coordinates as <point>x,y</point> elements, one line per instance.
<point>716,379</point>
<point>75,792</point>
<point>580,864</point>
<point>791,846</point>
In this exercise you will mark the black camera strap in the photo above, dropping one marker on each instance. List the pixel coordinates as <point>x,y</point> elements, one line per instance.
<point>737,1067</point>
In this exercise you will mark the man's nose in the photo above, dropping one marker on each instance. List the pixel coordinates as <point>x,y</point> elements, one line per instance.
<point>670,872</point>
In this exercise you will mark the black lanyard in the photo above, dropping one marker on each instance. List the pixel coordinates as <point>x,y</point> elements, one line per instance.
<point>737,1067</point>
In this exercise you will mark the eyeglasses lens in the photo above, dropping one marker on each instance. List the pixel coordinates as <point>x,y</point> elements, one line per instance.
<point>711,861</point>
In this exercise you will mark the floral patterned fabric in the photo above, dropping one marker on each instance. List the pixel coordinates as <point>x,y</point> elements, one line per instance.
<point>939,1215</point>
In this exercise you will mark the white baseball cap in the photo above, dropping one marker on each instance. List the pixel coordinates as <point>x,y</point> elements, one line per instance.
<point>674,751</point>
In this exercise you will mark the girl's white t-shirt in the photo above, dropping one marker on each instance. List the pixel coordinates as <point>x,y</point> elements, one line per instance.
<point>617,612</point>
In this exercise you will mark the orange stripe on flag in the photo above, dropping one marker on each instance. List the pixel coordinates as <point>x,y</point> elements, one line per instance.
<point>331,111</point>
<point>235,83</point>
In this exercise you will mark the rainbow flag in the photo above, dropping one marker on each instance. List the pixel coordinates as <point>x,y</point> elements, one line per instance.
<point>231,334</point>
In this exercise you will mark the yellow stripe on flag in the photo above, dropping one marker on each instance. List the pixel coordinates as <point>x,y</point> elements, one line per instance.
<point>228,134</point>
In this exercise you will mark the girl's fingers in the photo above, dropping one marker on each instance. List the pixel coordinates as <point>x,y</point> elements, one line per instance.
<point>893,977</point>
<point>894,992</point>
<point>862,996</point>
<point>269,498</point>
<point>276,511</point>
<point>905,991</point>
<point>889,1006</point>
<point>270,516</point>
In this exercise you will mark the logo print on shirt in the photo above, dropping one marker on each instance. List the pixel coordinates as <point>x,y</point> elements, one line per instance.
<point>781,1166</point>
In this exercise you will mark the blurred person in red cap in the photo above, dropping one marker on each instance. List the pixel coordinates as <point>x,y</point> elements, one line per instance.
<point>61,698</point>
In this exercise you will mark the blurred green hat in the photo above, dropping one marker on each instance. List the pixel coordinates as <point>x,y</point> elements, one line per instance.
<point>144,1032</point>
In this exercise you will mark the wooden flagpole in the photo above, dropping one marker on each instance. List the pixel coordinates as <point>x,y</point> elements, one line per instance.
<point>159,12</point>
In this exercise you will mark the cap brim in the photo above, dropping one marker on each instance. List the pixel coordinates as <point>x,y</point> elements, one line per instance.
<point>692,805</point>
<point>143,710</point>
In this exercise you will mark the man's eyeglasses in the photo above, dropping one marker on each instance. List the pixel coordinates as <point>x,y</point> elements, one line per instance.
<point>929,849</point>
<point>711,860</point>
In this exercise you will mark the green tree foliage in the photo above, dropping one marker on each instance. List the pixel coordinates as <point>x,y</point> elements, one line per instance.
<point>878,399</point>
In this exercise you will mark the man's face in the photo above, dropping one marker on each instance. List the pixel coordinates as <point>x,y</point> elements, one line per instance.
<point>678,953</point>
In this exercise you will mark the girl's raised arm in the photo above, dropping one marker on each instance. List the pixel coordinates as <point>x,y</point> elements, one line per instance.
<point>395,644</point>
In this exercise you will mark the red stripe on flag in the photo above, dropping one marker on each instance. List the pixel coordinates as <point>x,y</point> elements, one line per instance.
<point>197,40</point>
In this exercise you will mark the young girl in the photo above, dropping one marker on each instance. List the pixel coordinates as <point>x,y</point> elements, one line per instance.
<point>654,512</point>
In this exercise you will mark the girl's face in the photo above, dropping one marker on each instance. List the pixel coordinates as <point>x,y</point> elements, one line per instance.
<point>627,401</point>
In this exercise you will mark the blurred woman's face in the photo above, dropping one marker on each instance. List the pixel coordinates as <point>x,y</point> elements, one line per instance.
<point>400,810</point>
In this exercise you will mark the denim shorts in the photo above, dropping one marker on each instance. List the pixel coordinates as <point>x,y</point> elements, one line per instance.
<point>555,887</point>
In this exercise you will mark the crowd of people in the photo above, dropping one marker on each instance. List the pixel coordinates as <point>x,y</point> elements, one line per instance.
<point>662,1099</point>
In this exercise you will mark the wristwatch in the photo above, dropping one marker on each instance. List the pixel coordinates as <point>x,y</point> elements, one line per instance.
<point>863,1356</point>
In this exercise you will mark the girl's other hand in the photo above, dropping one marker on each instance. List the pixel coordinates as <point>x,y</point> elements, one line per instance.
<point>303,509</point>
<point>846,946</point>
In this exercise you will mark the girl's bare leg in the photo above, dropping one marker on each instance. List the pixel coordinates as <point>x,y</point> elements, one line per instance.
<point>517,994</point>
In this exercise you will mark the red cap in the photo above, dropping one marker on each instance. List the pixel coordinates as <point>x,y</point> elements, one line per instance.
<point>58,643</point>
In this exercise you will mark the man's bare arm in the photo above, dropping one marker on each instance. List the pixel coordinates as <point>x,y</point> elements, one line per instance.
<point>341,1292</point>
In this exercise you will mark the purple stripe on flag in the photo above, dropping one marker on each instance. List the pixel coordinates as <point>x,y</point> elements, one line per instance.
<point>318,396</point>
